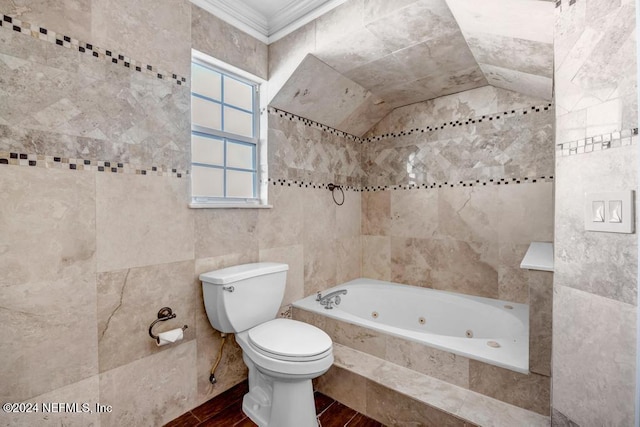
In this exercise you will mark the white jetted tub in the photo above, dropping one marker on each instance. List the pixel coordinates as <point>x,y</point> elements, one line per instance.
<point>484,329</point>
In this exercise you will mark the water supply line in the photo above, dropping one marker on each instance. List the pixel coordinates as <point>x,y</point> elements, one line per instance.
<point>212,377</point>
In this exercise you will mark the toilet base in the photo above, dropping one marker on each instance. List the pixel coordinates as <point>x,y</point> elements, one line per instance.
<point>292,405</point>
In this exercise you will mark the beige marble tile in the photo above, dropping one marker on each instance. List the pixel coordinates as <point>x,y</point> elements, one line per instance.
<point>411,262</point>
<point>529,84</point>
<point>345,387</point>
<point>154,227</point>
<point>223,41</point>
<point>436,363</point>
<point>223,231</point>
<point>414,213</point>
<point>446,264</point>
<point>394,409</point>
<point>532,391</point>
<point>485,411</point>
<point>349,215</point>
<point>287,53</point>
<point>376,257</point>
<point>528,21</point>
<point>540,321</point>
<point>356,337</point>
<point>526,213</point>
<point>48,289</point>
<point>517,54</point>
<point>349,259</point>
<point>363,47</point>
<point>320,266</point>
<point>376,213</point>
<point>129,300</point>
<point>294,257</point>
<point>281,225</point>
<point>319,216</point>
<point>417,22</point>
<point>309,317</point>
<point>83,392</point>
<point>513,281</point>
<point>593,366</point>
<point>320,93</point>
<point>468,213</point>
<point>71,17</point>
<point>158,388</point>
<point>156,34</point>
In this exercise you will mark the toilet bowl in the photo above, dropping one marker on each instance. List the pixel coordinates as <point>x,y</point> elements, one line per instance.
<point>282,355</point>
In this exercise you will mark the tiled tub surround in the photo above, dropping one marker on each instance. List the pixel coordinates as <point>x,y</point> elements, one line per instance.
<point>529,391</point>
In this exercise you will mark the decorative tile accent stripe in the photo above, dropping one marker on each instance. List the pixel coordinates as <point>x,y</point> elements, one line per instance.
<point>436,185</point>
<point>53,162</point>
<point>471,183</point>
<point>464,122</point>
<point>311,123</point>
<point>453,124</point>
<point>47,35</point>
<point>302,184</point>
<point>598,143</point>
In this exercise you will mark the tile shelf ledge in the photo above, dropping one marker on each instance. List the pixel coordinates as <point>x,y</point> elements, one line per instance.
<point>539,256</point>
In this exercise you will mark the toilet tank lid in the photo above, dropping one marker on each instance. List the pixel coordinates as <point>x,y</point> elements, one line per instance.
<point>241,272</point>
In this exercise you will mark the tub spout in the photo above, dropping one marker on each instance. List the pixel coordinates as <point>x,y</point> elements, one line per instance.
<point>330,299</point>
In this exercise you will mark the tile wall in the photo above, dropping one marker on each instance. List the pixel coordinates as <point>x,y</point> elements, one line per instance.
<point>96,232</point>
<point>95,115</point>
<point>595,285</point>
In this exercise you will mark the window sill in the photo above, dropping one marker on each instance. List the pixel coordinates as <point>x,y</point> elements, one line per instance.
<point>228,206</point>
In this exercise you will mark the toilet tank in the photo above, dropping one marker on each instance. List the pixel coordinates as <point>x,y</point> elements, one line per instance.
<point>243,296</point>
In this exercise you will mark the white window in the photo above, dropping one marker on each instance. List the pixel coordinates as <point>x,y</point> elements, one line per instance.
<point>228,162</point>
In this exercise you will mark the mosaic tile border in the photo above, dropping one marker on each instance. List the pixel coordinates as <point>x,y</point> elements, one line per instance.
<point>470,183</point>
<point>464,122</point>
<point>603,142</point>
<point>303,184</point>
<point>311,123</point>
<point>452,124</point>
<point>436,185</point>
<point>63,163</point>
<point>61,40</point>
<point>54,162</point>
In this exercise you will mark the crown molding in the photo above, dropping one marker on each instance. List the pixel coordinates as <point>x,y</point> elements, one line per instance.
<point>284,21</point>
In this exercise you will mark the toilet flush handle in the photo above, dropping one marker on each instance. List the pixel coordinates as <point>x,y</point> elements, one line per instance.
<point>228,288</point>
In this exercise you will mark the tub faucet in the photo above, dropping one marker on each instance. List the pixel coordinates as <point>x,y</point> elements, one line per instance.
<point>330,299</point>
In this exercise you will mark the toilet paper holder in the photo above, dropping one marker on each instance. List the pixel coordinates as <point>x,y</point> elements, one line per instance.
<point>164,314</point>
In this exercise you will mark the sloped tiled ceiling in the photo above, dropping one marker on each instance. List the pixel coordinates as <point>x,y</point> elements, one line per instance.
<point>400,52</point>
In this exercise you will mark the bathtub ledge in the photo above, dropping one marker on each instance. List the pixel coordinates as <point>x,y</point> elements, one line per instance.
<point>457,401</point>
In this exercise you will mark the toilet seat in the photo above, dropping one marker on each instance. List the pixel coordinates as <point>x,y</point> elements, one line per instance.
<point>290,340</point>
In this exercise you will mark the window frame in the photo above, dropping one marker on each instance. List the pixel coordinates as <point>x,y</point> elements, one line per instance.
<point>258,141</point>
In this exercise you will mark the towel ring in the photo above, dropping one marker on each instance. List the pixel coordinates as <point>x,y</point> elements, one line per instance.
<point>332,187</point>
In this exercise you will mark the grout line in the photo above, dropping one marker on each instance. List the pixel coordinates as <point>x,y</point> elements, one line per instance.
<point>351,419</point>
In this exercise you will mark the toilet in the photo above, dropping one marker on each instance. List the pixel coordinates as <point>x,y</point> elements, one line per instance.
<point>282,355</point>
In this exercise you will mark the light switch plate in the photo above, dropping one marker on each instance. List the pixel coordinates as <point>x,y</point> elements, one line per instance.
<point>619,212</point>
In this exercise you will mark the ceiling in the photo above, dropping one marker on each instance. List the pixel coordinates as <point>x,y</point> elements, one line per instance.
<point>399,52</point>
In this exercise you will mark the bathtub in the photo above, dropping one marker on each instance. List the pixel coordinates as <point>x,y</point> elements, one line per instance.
<point>489,330</point>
